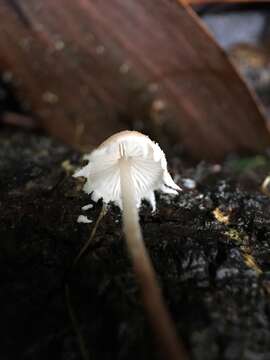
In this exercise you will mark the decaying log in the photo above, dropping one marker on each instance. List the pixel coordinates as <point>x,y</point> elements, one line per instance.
<point>89,68</point>
<point>211,253</point>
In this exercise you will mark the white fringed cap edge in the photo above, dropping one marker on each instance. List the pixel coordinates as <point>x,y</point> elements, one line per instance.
<point>147,164</point>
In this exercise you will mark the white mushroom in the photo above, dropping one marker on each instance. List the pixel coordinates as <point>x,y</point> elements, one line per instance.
<point>127,154</point>
<point>125,169</point>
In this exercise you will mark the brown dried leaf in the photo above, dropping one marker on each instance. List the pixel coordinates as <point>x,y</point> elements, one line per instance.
<point>91,68</point>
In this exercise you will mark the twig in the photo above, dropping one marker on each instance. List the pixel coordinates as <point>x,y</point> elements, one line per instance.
<point>72,315</point>
<point>76,326</point>
<point>102,213</point>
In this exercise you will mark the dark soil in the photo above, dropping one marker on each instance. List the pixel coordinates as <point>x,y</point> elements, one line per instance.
<point>210,247</point>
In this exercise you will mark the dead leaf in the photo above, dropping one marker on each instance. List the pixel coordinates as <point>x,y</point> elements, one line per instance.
<point>87,69</point>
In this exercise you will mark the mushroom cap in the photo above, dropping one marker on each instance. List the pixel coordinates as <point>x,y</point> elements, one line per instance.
<point>148,167</point>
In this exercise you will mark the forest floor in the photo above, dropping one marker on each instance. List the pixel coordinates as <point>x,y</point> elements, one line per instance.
<point>210,247</point>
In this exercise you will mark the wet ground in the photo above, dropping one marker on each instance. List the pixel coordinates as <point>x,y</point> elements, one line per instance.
<point>210,247</point>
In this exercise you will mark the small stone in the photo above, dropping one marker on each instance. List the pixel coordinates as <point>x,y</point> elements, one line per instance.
<point>266,186</point>
<point>189,184</point>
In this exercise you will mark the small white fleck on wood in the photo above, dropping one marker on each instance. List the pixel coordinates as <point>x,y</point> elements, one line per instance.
<point>84,219</point>
<point>87,207</point>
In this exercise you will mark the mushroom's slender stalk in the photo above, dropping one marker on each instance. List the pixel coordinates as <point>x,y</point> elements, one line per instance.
<point>156,310</point>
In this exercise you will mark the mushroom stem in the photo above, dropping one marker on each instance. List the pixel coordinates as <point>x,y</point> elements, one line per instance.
<point>152,299</point>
